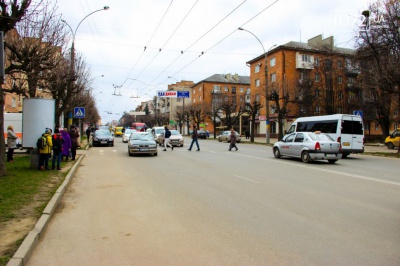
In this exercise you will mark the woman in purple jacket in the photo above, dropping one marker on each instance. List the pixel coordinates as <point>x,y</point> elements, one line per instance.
<point>66,147</point>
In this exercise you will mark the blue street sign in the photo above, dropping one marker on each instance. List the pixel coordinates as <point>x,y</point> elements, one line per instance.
<point>183,94</point>
<point>79,112</point>
<point>358,112</point>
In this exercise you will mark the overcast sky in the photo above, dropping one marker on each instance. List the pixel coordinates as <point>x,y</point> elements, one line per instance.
<point>138,44</point>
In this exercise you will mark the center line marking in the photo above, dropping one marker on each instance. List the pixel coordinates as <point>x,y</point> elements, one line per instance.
<point>251,180</point>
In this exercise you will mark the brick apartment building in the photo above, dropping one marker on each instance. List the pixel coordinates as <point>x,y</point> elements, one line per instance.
<point>221,87</point>
<point>318,77</point>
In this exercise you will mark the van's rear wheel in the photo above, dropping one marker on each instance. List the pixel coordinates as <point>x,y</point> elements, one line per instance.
<point>332,161</point>
<point>390,146</point>
<point>344,155</point>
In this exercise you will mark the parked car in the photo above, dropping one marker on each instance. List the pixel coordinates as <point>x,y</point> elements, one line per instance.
<point>103,137</point>
<point>201,134</point>
<point>126,135</point>
<point>226,136</point>
<point>142,143</point>
<point>308,147</point>
<point>176,138</point>
<point>393,139</point>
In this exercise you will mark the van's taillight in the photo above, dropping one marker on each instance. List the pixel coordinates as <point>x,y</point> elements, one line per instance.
<point>317,146</point>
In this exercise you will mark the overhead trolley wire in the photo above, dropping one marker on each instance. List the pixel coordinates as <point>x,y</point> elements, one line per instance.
<point>201,37</point>
<point>151,38</point>
<point>202,53</point>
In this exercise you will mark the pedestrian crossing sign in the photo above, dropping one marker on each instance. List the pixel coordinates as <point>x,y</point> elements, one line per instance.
<point>79,112</point>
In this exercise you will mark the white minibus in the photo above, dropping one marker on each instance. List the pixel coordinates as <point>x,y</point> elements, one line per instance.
<point>346,129</point>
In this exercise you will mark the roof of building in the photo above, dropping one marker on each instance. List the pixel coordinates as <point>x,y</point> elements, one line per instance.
<point>226,78</point>
<point>314,45</point>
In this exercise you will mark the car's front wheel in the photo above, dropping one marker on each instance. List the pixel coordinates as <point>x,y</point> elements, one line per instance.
<point>305,157</point>
<point>277,153</point>
<point>390,146</point>
<point>332,161</point>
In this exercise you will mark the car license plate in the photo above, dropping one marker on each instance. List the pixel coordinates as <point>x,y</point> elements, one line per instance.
<point>144,149</point>
<point>330,155</point>
<point>104,142</point>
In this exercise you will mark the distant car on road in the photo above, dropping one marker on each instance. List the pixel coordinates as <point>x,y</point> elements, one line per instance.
<point>226,136</point>
<point>142,143</point>
<point>308,147</point>
<point>176,138</point>
<point>103,137</point>
<point>127,133</point>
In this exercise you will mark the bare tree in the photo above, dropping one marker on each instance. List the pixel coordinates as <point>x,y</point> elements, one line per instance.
<point>231,110</point>
<point>34,49</point>
<point>253,109</point>
<point>379,55</point>
<point>11,13</point>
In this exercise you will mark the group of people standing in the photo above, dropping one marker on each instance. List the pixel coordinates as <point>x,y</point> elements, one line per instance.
<point>63,144</point>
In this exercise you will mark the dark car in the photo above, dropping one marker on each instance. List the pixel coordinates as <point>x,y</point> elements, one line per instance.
<point>201,134</point>
<point>103,137</point>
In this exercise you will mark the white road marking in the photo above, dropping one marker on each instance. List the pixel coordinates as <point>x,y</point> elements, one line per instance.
<point>326,170</point>
<point>248,179</point>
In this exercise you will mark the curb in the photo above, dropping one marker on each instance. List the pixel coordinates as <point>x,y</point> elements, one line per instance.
<point>24,251</point>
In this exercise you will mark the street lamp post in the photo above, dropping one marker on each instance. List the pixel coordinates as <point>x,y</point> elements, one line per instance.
<point>267,125</point>
<point>73,53</point>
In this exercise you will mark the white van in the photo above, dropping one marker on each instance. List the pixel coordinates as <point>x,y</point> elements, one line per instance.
<point>346,129</point>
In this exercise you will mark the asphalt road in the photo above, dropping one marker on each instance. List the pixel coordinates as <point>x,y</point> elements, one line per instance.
<point>216,207</point>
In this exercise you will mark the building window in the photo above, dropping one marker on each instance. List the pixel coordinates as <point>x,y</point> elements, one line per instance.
<point>350,81</point>
<point>200,98</point>
<point>273,77</point>
<point>194,91</point>
<point>216,88</point>
<point>316,93</point>
<point>257,83</point>
<point>316,62</point>
<point>340,80</point>
<point>317,77</point>
<point>272,62</point>
<point>340,64</point>
<point>306,58</point>
<point>340,95</point>
<point>241,89</point>
<point>248,91</point>
<point>317,109</point>
<point>258,97</point>
<point>233,90</point>
<point>257,68</point>
<point>241,98</point>
<point>226,89</point>
<point>247,98</point>
<point>13,104</point>
<point>199,89</point>
<point>376,126</point>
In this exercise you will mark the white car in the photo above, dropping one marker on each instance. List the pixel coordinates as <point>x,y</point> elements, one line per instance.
<point>308,147</point>
<point>127,133</point>
<point>176,139</point>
